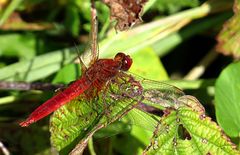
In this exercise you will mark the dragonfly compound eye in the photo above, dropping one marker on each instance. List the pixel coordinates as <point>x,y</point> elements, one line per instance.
<point>125,60</point>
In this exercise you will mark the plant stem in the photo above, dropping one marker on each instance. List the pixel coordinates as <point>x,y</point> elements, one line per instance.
<point>5,85</point>
<point>196,84</point>
<point>91,146</point>
<point>11,7</point>
<point>7,99</point>
<point>4,149</point>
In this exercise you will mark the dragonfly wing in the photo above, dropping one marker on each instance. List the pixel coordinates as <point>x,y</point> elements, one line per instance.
<point>159,94</point>
<point>120,95</point>
<point>124,92</point>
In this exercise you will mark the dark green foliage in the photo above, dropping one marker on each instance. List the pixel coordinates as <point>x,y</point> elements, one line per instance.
<point>37,44</point>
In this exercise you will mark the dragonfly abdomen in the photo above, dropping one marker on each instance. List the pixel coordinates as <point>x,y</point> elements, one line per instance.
<point>74,90</point>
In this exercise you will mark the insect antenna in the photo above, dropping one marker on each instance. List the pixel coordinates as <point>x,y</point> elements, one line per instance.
<point>83,66</point>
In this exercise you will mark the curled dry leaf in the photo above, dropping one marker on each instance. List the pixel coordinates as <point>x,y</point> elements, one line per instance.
<point>229,37</point>
<point>126,12</point>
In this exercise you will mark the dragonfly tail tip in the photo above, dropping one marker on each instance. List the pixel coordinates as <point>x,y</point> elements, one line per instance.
<point>24,124</point>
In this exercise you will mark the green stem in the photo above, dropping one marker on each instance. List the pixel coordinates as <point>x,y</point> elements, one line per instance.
<point>7,99</point>
<point>91,146</point>
<point>164,46</point>
<point>8,11</point>
<point>196,84</point>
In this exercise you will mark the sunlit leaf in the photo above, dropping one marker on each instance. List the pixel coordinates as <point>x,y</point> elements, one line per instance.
<point>227,99</point>
<point>147,64</point>
<point>186,130</point>
<point>79,119</point>
<point>173,6</point>
<point>67,74</point>
<point>37,68</point>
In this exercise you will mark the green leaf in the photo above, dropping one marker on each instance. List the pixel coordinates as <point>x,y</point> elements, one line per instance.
<point>174,5</point>
<point>140,119</point>
<point>81,118</point>
<point>227,99</point>
<point>67,74</point>
<point>72,21</point>
<point>38,67</point>
<point>113,129</point>
<point>147,64</point>
<point>143,125</point>
<point>229,37</point>
<point>22,45</point>
<point>134,120</point>
<point>186,130</point>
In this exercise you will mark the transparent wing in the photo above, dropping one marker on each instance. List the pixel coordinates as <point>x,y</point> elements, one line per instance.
<point>158,94</point>
<point>127,90</point>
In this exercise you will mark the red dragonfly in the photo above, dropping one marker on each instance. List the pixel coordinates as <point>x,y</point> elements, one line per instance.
<point>101,73</point>
<point>96,76</point>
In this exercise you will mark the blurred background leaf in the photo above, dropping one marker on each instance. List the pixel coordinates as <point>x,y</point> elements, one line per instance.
<point>227,99</point>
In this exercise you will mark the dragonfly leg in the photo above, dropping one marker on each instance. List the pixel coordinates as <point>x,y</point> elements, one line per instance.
<point>60,90</point>
<point>97,107</point>
<point>107,111</point>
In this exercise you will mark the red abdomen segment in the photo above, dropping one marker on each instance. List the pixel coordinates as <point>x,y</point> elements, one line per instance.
<point>74,90</point>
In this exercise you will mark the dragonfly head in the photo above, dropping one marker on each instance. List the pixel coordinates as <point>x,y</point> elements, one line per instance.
<point>125,60</point>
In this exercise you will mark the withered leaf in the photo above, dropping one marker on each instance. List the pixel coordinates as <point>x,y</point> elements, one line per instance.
<point>126,12</point>
<point>229,37</point>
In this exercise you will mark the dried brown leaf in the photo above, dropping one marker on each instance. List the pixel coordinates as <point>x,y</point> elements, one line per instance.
<point>126,12</point>
<point>229,37</point>
<point>15,22</point>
